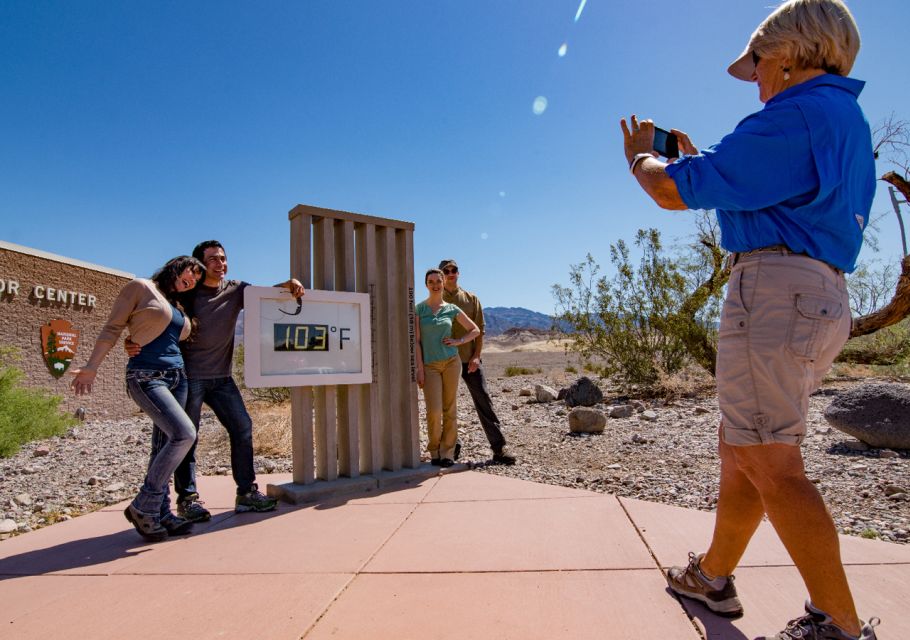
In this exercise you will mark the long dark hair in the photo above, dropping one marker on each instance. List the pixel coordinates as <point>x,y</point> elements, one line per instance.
<point>166,277</point>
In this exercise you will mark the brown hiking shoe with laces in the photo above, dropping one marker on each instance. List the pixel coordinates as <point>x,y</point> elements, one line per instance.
<point>817,625</point>
<point>690,582</point>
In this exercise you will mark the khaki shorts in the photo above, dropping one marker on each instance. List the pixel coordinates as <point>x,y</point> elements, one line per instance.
<point>785,318</point>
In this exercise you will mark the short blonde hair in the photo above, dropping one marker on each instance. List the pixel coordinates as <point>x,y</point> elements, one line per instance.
<point>813,34</point>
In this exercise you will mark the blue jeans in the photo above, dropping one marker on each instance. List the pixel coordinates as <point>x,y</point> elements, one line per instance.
<point>223,396</point>
<point>161,395</point>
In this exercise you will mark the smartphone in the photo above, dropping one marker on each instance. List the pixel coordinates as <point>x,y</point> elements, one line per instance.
<point>665,143</point>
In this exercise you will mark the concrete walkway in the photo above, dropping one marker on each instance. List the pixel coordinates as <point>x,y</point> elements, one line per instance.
<point>464,555</point>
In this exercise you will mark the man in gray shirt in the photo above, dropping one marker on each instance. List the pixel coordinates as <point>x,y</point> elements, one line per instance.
<point>208,356</point>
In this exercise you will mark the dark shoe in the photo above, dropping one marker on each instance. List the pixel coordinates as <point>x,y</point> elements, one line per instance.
<point>503,457</point>
<point>445,463</point>
<point>253,500</point>
<point>435,462</point>
<point>457,453</point>
<point>817,625</point>
<point>190,508</point>
<point>148,527</point>
<point>690,582</point>
<point>175,525</point>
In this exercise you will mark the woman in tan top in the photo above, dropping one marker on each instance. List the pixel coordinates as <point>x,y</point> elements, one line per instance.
<point>156,381</point>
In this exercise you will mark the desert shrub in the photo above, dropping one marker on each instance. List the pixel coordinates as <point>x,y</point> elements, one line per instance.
<point>513,370</point>
<point>273,395</point>
<point>26,414</point>
<point>571,369</point>
<point>633,321</point>
<point>888,346</point>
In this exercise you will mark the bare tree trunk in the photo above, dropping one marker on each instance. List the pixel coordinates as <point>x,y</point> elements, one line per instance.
<point>893,312</point>
<point>899,307</point>
<point>899,183</point>
<point>699,342</point>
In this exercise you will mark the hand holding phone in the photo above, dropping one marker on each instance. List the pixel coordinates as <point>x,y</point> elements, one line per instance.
<point>666,143</point>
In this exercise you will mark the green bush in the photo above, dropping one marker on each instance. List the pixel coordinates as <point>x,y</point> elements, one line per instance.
<point>632,322</point>
<point>26,414</point>
<point>888,346</point>
<point>513,370</point>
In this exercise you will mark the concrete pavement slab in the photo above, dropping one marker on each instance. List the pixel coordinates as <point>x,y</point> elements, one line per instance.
<point>202,607</point>
<point>521,606</point>
<point>514,535</point>
<point>459,487</point>
<point>319,539</point>
<point>671,532</point>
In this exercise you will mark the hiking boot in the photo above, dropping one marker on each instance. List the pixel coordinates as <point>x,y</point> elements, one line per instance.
<point>175,525</point>
<point>445,463</point>
<point>719,594</point>
<point>190,508</point>
<point>149,527</point>
<point>435,462</point>
<point>253,500</point>
<point>817,625</point>
<point>503,457</point>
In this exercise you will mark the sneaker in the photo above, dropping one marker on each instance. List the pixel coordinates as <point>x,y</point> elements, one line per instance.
<point>253,500</point>
<point>445,463</point>
<point>149,527</point>
<point>175,525</point>
<point>817,625</point>
<point>457,453</point>
<point>435,462</point>
<point>503,457</point>
<point>190,508</point>
<point>719,595</point>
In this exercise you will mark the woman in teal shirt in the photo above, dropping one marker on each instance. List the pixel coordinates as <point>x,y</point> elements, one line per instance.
<point>439,367</point>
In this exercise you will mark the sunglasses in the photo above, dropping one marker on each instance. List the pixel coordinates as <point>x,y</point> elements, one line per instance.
<point>450,270</point>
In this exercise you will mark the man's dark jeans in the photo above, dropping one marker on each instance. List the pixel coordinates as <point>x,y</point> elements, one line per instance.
<point>223,396</point>
<point>484,406</point>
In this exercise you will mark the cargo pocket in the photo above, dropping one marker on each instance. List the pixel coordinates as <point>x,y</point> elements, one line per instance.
<point>813,319</point>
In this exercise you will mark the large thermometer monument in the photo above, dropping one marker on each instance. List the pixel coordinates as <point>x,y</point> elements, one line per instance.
<point>345,349</point>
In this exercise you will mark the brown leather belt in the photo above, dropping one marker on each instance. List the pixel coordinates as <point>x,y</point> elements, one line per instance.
<point>779,249</point>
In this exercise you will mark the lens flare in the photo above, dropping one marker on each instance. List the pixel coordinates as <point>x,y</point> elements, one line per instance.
<point>539,106</point>
<point>581,8</point>
<point>484,236</point>
<point>502,194</point>
<point>563,48</point>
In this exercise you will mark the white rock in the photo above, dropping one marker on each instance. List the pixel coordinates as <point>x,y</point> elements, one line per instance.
<point>23,500</point>
<point>543,393</point>
<point>649,415</point>
<point>8,526</point>
<point>115,487</point>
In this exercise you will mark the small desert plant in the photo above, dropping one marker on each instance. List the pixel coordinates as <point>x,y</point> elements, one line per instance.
<point>25,414</point>
<point>571,369</point>
<point>513,370</point>
<point>870,534</point>
<point>274,395</point>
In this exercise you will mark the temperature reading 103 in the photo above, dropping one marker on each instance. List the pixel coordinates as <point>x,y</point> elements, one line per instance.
<point>307,337</point>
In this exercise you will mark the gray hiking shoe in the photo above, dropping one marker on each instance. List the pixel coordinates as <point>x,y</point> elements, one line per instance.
<point>817,625</point>
<point>719,595</point>
<point>190,508</point>
<point>253,500</point>
<point>149,527</point>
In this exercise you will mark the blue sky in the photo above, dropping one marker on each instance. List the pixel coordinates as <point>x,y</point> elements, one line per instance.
<point>129,131</point>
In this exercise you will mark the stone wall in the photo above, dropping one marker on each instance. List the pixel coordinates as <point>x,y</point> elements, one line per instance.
<point>37,287</point>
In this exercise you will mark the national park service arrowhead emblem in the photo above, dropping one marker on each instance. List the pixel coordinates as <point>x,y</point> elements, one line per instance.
<point>58,344</point>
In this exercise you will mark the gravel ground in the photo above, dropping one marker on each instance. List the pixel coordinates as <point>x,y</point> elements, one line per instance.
<point>667,457</point>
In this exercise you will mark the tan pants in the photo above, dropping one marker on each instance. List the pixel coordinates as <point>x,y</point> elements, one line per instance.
<point>440,393</point>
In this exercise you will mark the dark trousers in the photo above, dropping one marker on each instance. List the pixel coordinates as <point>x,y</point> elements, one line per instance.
<point>223,396</point>
<point>484,406</point>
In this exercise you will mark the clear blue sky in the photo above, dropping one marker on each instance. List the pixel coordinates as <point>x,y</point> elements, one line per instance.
<point>129,131</point>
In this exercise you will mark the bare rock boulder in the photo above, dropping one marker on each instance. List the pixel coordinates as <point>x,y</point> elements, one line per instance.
<point>543,393</point>
<point>586,420</point>
<point>582,393</point>
<point>877,414</point>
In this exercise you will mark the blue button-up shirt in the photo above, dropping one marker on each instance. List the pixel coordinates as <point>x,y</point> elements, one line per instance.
<point>800,172</point>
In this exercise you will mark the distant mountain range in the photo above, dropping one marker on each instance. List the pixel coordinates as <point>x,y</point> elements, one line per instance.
<point>500,319</point>
<point>497,320</point>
